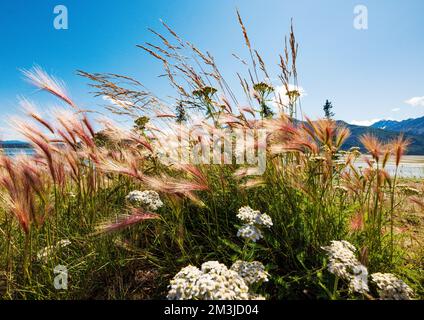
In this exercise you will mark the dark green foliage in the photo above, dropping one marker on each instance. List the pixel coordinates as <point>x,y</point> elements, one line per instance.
<point>263,90</point>
<point>415,148</point>
<point>328,107</point>
<point>181,115</point>
<point>101,139</point>
<point>140,123</point>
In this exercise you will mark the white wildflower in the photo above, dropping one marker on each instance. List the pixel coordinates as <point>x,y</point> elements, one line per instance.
<point>342,258</point>
<point>250,216</point>
<point>135,196</point>
<point>148,198</point>
<point>214,281</point>
<point>344,264</point>
<point>250,232</point>
<point>251,272</point>
<point>213,267</point>
<point>63,243</point>
<point>264,220</point>
<point>45,253</point>
<point>359,279</point>
<point>391,288</point>
<point>183,285</point>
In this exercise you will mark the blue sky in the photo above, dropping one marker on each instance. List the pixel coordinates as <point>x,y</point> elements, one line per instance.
<point>367,74</point>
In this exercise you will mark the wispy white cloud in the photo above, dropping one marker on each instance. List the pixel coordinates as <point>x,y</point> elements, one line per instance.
<point>396,109</point>
<point>281,99</point>
<point>416,102</point>
<point>364,123</point>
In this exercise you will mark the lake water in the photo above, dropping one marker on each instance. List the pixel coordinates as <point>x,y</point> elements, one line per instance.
<point>410,167</point>
<point>12,152</point>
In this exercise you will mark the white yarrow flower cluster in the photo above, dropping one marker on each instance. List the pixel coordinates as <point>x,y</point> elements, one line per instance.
<point>148,198</point>
<point>253,219</point>
<point>359,279</point>
<point>45,253</point>
<point>213,281</point>
<point>251,272</point>
<point>250,216</point>
<point>250,232</point>
<point>342,258</point>
<point>344,264</point>
<point>390,287</point>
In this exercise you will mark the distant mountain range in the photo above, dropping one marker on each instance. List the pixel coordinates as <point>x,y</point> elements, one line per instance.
<point>413,126</point>
<point>417,139</point>
<point>14,144</point>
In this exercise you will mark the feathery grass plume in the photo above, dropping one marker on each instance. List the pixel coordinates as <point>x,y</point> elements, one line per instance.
<point>41,143</point>
<point>24,184</point>
<point>248,44</point>
<point>116,166</point>
<point>357,222</point>
<point>399,147</point>
<point>171,185</point>
<point>386,155</point>
<point>243,28</point>
<point>128,97</point>
<point>327,133</point>
<point>31,110</point>
<point>418,201</point>
<point>373,146</point>
<point>126,220</point>
<point>42,80</point>
<point>195,172</point>
<point>342,135</point>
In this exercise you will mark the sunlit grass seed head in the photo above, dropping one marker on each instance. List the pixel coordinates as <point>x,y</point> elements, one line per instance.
<point>408,190</point>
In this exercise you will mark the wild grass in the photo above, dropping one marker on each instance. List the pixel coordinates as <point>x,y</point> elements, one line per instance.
<point>74,187</point>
